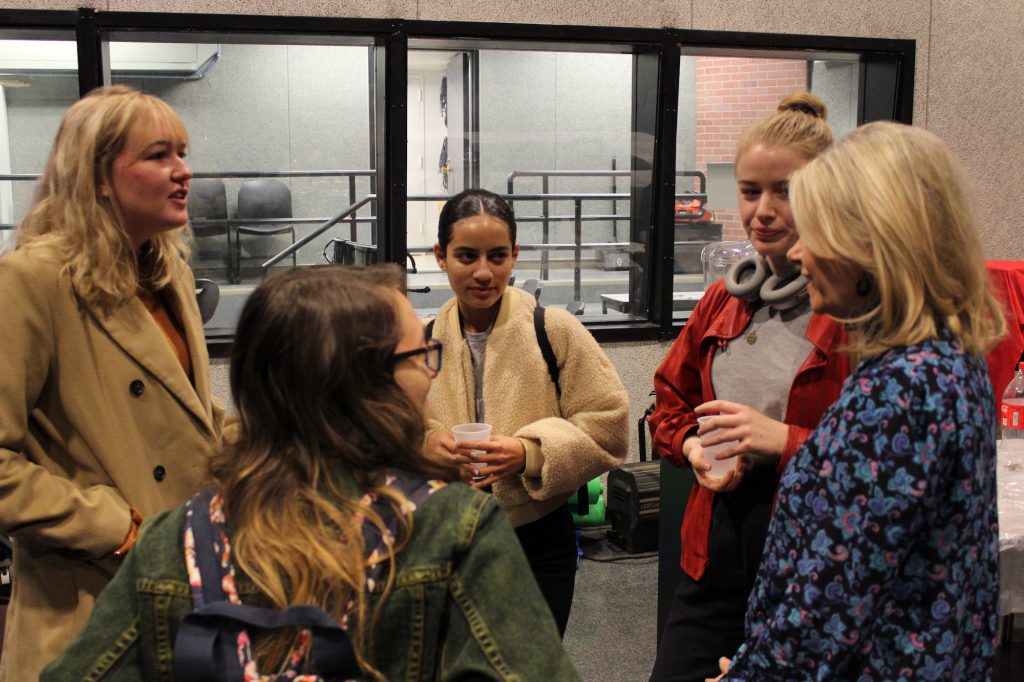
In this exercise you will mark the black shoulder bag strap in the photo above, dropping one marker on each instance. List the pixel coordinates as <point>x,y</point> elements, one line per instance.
<point>545,348</point>
<point>542,341</point>
<point>204,649</point>
<point>582,494</point>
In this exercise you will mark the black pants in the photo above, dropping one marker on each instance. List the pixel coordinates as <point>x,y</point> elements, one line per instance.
<point>550,546</point>
<point>706,619</point>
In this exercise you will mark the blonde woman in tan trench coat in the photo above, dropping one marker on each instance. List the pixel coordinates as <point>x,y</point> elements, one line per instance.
<point>105,409</point>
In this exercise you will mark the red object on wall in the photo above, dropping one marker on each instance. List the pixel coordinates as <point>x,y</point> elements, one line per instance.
<point>1008,282</point>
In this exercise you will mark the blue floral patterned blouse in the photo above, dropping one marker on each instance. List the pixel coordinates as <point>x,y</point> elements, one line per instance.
<point>882,558</point>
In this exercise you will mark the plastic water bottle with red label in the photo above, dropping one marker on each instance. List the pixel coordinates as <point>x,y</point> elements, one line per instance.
<point>1011,414</point>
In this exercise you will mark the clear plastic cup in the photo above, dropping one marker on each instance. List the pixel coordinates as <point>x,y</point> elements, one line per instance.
<point>719,467</point>
<point>475,431</point>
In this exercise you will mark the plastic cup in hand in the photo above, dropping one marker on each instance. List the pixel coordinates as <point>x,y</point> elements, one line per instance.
<point>476,431</point>
<point>719,467</point>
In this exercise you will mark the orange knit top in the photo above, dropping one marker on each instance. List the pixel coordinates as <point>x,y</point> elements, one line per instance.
<point>173,332</point>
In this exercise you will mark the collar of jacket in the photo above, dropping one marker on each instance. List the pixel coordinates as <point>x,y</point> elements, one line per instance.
<point>134,330</point>
<point>735,316</point>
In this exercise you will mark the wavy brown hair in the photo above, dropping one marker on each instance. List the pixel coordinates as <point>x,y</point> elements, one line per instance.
<point>87,228</point>
<point>321,417</point>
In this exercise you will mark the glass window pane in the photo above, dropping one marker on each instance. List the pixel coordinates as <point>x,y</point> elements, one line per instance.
<point>38,82</point>
<point>550,129</point>
<point>719,97</point>
<point>281,142</point>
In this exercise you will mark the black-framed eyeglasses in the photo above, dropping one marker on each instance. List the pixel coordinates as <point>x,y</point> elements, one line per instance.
<point>432,353</point>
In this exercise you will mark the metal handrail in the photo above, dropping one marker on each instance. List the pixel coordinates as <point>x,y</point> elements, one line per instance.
<point>351,174</point>
<point>598,174</point>
<point>546,175</point>
<point>326,225</point>
<point>287,174</point>
<point>577,246</point>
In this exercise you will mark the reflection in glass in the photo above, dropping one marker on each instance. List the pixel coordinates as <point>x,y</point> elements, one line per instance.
<point>551,130</point>
<point>34,94</point>
<point>280,143</point>
<point>719,97</point>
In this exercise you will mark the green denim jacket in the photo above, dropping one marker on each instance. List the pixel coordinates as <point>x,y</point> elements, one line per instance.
<point>464,604</point>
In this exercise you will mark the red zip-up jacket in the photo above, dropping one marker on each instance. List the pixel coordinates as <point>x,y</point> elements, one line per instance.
<point>683,381</point>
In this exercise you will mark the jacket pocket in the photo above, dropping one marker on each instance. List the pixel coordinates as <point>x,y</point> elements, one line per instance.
<point>412,621</point>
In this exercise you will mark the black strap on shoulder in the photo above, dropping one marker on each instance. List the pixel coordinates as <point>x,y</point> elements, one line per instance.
<point>542,341</point>
<point>204,650</point>
<point>545,348</point>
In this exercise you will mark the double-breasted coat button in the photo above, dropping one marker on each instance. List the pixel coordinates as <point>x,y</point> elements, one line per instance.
<point>159,472</point>
<point>136,388</point>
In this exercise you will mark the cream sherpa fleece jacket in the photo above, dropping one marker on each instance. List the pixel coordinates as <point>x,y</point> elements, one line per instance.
<point>570,441</point>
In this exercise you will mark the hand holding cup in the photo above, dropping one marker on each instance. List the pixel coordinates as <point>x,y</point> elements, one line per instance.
<point>469,434</point>
<point>719,467</point>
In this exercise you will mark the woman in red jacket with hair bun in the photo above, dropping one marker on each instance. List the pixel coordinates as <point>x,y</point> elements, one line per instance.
<point>757,359</point>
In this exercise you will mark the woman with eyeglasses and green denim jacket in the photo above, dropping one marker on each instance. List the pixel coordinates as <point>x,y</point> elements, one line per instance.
<point>329,373</point>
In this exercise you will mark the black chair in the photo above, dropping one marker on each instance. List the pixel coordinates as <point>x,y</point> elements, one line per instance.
<point>262,199</point>
<point>348,252</point>
<point>207,296</point>
<point>208,204</point>
<point>533,286</point>
<point>576,307</point>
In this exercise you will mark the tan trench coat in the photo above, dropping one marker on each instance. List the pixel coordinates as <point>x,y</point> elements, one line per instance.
<point>96,415</point>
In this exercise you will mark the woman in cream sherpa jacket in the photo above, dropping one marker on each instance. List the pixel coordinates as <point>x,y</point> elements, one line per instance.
<point>568,440</point>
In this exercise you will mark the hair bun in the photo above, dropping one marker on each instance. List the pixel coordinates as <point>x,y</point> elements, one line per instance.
<point>805,103</point>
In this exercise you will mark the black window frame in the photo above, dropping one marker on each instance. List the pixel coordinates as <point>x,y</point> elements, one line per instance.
<point>886,77</point>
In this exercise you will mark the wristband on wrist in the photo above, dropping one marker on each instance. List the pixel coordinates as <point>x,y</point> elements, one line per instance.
<point>133,534</point>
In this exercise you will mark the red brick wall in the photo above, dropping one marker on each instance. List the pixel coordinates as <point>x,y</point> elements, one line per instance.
<point>733,93</point>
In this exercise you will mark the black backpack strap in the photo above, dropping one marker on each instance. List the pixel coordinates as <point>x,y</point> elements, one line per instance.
<point>542,341</point>
<point>545,348</point>
<point>204,650</point>
<point>582,494</point>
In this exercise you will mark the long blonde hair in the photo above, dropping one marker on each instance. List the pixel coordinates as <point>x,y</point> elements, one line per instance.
<point>321,415</point>
<point>799,123</point>
<point>893,200</point>
<point>87,228</point>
